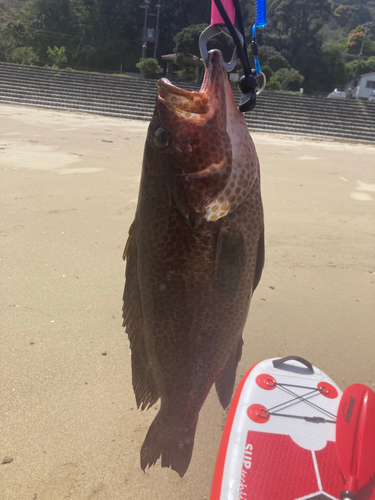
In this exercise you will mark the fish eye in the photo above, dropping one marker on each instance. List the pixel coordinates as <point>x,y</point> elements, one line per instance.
<point>161,138</point>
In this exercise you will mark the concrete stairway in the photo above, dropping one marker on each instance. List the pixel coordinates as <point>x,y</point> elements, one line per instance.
<point>135,98</point>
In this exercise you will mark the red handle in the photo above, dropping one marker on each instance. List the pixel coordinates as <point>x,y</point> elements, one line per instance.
<point>355,436</point>
<point>216,17</point>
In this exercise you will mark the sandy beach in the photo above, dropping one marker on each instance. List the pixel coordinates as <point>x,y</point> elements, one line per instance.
<point>69,183</point>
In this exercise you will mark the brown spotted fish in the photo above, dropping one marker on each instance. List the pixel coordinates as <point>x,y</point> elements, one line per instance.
<point>194,256</point>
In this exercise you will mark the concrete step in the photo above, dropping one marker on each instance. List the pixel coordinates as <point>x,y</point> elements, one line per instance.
<point>133,105</point>
<point>62,77</point>
<point>95,79</point>
<point>361,116</point>
<point>124,98</point>
<point>135,98</point>
<point>255,125</point>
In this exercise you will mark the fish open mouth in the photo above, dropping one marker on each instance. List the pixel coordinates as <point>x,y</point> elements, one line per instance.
<point>195,105</point>
<point>183,101</point>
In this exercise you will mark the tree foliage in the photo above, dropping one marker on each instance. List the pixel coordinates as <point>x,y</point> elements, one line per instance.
<point>287,78</point>
<point>272,58</point>
<point>355,40</point>
<point>23,55</point>
<point>104,34</point>
<point>343,13</point>
<point>186,41</point>
<point>149,67</point>
<point>57,56</point>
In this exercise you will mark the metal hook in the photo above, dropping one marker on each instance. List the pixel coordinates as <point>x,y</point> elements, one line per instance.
<point>264,83</point>
<point>210,32</point>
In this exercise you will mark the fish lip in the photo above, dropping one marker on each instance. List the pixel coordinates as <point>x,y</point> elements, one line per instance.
<point>195,104</point>
<point>181,101</point>
<point>166,85</point>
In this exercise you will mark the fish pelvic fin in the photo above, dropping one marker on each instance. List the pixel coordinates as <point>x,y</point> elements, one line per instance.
<point>225,383</point>
<point>144,386</point>
<point>169,438</point>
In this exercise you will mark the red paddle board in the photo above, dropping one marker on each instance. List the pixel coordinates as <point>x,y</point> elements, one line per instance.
<point>279,439</point>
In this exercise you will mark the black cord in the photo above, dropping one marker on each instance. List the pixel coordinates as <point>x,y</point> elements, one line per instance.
<point>240,49</point>
<point>241,28</point>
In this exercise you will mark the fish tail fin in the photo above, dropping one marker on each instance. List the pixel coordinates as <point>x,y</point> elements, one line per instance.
<point>225,383</point>
<point>171,440</point>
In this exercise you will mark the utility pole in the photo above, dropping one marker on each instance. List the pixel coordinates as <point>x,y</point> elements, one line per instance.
<point>157,28</point>
<point>367,27</point>
<point>144,30</point>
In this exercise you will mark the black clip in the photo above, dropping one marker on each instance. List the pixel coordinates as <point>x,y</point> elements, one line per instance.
<point>248,87</point>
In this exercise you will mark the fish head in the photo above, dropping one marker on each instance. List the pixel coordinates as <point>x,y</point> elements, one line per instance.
<point>202,140</point>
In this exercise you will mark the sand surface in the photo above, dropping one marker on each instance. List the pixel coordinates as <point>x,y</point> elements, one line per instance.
<point>69,184</point>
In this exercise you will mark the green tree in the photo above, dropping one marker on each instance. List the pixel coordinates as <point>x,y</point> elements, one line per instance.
<point>149,68</point>
<point>186,41</point>
<point>7,42</point>
<point>288,79</point>
<point>343,13</point>
<point>334,65</point>
<point>361,14</point>
<point>271,57</point>
<point>355,39</point>
<point>57,56</point>
<point>23,55</point>
<point>293,29</point>
<point>365,66</point>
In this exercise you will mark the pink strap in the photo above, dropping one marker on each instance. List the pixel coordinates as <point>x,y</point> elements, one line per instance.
<point>216,17</point>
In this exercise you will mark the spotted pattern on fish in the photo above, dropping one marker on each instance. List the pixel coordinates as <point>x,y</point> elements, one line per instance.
<point>244,172</point>
<point>190,277</point>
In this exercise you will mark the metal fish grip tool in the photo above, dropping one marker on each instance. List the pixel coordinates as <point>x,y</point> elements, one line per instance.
<point>223,15</point>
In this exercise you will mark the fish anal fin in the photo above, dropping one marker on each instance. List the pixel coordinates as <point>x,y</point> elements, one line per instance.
<point>170,439</point>
<point>229,264</point>
<point>143,382</point>
<point>225,383</point>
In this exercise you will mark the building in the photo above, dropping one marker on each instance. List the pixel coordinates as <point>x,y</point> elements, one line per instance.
<point>363,85</point>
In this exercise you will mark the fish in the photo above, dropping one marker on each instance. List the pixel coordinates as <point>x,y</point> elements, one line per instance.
<point>194,256</point>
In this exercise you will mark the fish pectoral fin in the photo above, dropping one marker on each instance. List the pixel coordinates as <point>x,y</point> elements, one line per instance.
<point>143,382</point>
<point>229,264</point>
<point>259,262</point>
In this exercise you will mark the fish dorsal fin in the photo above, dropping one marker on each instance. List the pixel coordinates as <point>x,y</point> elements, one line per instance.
<point>143,382</point>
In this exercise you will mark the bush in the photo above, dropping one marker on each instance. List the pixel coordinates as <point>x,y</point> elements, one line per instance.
<point>57,56</point>
<point>273,84</point>
<point>288,79</point>
<point>23,55</point>
<point>149,68</point>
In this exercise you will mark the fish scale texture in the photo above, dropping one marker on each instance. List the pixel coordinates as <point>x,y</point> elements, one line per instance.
<point>189,280</point>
